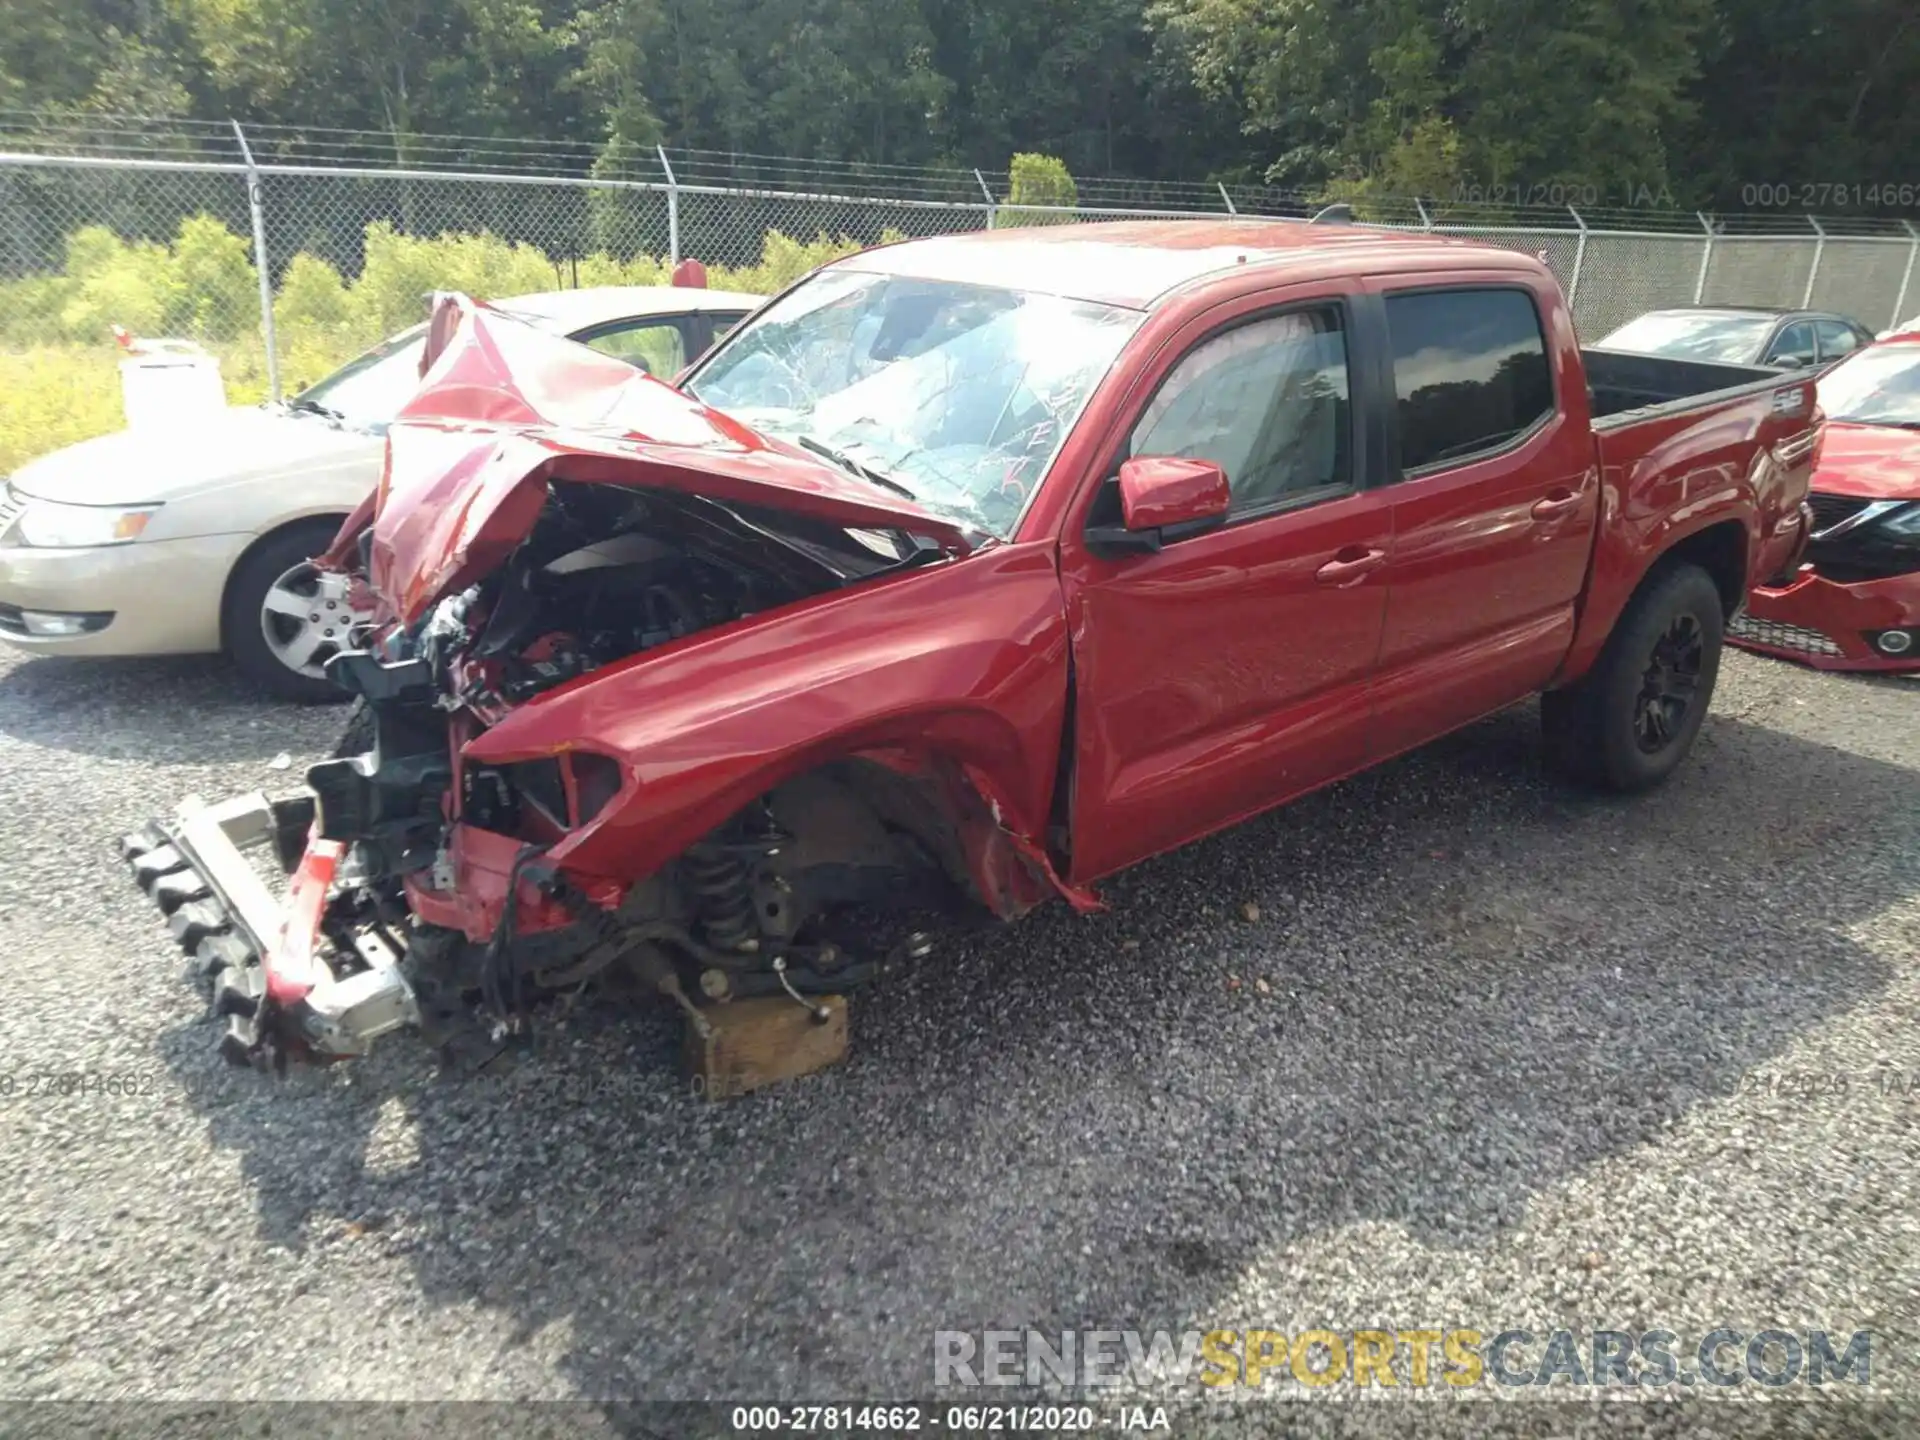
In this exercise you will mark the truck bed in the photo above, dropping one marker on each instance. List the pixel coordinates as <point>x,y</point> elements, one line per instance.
<point>1680,446</point>
<point>1625,388</point>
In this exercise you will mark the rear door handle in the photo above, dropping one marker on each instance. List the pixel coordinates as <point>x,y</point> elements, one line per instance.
<point>1555,505</point>
<point>1350,565</point>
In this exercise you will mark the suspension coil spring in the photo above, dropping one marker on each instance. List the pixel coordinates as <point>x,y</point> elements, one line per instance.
<point>719,883</point>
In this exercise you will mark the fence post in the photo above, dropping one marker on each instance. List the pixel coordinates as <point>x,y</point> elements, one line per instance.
<point>673,208</point>
<point>1426,220</point>
<point>1706,258</point>
<point>1228,199</point>
<point>993,210</point>
<point>1819,249</point>
<point>20,260</point>
<point>1913,253</point>
<point>1579,259</point>
<point>254,205</point>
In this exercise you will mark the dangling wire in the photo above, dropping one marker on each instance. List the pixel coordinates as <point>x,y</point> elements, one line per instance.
<point>499,947</point>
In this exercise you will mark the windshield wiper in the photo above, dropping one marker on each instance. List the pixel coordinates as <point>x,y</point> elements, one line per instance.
<point>852,466</point>
<point>314,407</point>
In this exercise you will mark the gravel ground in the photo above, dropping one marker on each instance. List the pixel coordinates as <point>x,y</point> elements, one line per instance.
<point>1447,1045</point>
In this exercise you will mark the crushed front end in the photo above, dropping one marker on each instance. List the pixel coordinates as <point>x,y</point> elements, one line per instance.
<point>428,890</point>
<point>1854,604</point>
<point>648,703</point>
<point>253,946</point>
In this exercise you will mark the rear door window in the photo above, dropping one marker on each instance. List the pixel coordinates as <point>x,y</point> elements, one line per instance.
<point>1470,373</point>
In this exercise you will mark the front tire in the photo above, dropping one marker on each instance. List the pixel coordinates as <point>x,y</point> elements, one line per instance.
<point>1630,721</point>
<point>284,619</point>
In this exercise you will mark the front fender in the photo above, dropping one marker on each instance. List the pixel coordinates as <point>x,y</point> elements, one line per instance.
<point>965,661</point>
<point>341,554</point>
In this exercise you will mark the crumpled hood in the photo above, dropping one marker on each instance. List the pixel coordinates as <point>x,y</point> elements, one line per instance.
<point>503,408</point>
<point>243,443</point>
<point>1869,462</point>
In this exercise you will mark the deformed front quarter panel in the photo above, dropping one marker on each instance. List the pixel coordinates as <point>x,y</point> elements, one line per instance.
<point>964,662</point>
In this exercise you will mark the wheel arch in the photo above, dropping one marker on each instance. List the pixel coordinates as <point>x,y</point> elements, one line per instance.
<point>946,773</point>
<point>1721,550</point>
<point>1584,723</point>
<point>1616,578</point>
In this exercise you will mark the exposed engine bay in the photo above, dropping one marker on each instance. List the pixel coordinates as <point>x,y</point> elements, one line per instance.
<point>606,576</point>
<point>647,702</point>
<point>610,572</point>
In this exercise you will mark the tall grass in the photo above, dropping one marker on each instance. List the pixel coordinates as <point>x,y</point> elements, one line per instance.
<point>59,381</point>
<point>54,395</point>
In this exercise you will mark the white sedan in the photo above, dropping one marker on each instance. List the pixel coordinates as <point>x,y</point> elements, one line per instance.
<point>197,539</point>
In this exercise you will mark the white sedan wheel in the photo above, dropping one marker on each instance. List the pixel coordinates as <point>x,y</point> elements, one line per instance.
<point>306,619</point>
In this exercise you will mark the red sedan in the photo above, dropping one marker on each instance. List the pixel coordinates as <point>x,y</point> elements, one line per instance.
<point>1854,603</point>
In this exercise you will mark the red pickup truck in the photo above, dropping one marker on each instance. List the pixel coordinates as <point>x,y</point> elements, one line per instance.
<point>977,567</point>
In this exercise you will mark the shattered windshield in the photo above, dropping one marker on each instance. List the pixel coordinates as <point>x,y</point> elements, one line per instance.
<point>958,396</point>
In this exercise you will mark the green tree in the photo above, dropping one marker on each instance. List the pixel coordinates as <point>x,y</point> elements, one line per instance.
<point>1039,181</point>
<point>782,77</point>
<point>214,282</point>
<point>1582,92</point>
<point>99,56</point>
<point>1815,93</point>
<point>1392,96</point>
<point>1297,74</point>
<point>407,68</point>
<point>1692,100</point>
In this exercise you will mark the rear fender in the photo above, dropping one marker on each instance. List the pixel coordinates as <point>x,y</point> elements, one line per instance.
<point>956,673</point>
<point>1745,464</point>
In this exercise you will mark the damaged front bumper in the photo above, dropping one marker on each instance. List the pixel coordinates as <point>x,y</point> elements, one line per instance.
<point>1869,626</point>
<point>260,954</point>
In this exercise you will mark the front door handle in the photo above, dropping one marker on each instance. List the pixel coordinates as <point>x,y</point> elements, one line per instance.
<point>1352,564</point>
<point>1557,503</point>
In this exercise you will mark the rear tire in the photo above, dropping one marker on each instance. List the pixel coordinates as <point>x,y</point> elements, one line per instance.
<point>1634,717</point>
<point>278,565</point>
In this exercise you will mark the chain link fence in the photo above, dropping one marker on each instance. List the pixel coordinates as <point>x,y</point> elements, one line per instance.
<point>165,234</point>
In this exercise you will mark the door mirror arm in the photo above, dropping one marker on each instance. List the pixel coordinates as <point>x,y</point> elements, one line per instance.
<point>1112,541</point>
